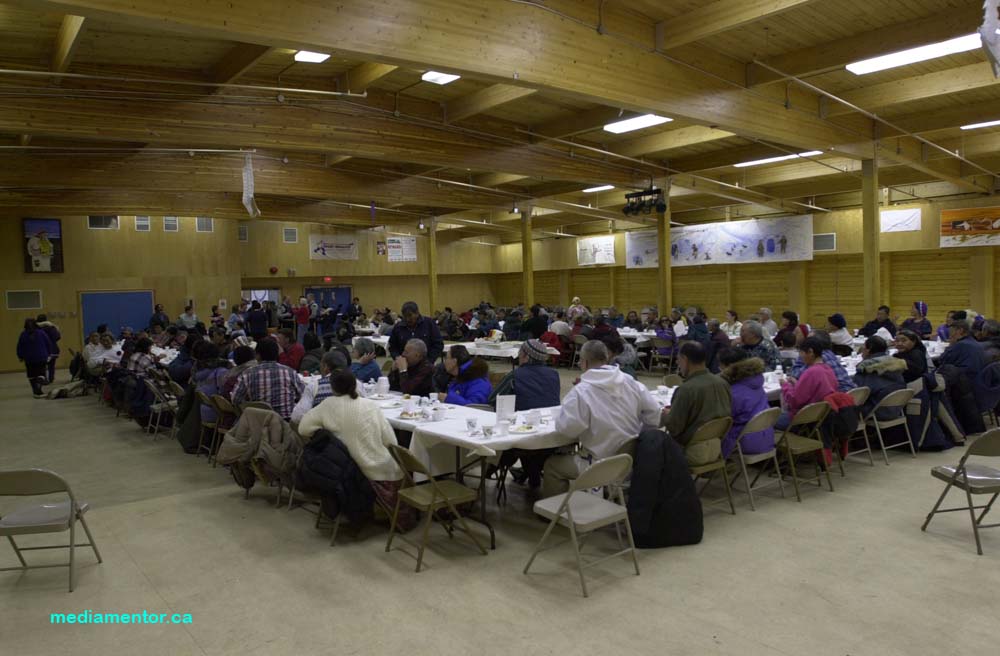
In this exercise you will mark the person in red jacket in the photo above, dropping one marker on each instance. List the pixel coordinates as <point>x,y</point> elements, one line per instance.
<point>291,351</point>
<point>302,314</point>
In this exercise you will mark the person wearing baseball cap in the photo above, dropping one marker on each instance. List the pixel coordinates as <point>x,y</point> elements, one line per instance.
<point>839,334</point>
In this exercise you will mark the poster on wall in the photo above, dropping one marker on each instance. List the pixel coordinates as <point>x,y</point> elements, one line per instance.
<point>380,249</point>
<point>595,250</point>
<point>402,249</point>
<point>970,227</point>
<point>333,247</point>
<point>43,246</point>
<point>641,251</point>
<point>743,242</point>
<point>900,220</point>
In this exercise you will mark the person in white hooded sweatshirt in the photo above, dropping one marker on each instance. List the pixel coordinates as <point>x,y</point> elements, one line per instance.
<point>604,411</point>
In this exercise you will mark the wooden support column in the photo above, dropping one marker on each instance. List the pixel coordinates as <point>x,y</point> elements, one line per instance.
<point>981,270</point>
<point>664,283</point>
<point>432,267</point>
<point>870,236</point>
<point>527,259</point>
<point>729,270</point>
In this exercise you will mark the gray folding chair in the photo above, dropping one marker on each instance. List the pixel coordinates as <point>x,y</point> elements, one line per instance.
<point>860,395</point>
<point>897,401</point>
<point>43,517</point>
<point>578,342</point>
<point>583,512</point>
<point>807,421</point>
<point>162,406</point>
<point>973,479</point>
<point>759,422</point>
<point>711,433</point>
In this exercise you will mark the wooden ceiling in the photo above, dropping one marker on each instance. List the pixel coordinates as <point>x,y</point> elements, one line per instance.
<point>522,126</point>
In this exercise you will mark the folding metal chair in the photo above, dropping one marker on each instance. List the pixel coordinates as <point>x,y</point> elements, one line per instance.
<point>44,517</point>
<point>898,401</point>
<point>428,498</point>
<point>583,512</point>
<point>157,410</point>
<point>860,395</point>
<point>657,358</point>
<point>712,432</point>
<point>578,342</point>
<point>809,420</point>
<point>225,417</point>
<point>759,422</point>
<point>973,479</point>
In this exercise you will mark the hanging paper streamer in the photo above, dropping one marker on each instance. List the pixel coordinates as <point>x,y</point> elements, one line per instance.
<point>248,199</point>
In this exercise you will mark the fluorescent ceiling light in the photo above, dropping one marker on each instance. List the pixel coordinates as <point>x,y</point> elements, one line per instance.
<point>601,188</point>
<point>780,158</point>
<point>439,78</point>
<point>975,126</point>
<point>914,55</point>
<point>311,57</point>
<point>637,123</point>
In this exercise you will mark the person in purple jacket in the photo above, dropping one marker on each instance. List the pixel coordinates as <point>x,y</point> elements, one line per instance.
<point>745,376</point>
<point>470,377</point>
<point>34,348</point>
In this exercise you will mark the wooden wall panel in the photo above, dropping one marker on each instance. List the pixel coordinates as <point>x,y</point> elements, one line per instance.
<point>547,288</point>
<point>507,289</point>
<point>939,278</point>
<point>592,286</point>
<point>834,284</point>
<point>702,286</point>
<point>760,285</point>
<point>635,288</point>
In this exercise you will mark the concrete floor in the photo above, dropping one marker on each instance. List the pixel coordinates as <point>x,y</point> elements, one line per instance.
<point>842,573</point>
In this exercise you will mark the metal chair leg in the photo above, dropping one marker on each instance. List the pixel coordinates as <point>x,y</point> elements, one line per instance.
<point>576,552</point>
<point>17,551</point>
<point>90,539</point>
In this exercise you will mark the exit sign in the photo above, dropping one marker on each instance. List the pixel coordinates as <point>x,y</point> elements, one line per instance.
<point>327,279</point>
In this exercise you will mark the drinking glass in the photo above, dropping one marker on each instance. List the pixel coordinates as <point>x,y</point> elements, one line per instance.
<point>471,423</point>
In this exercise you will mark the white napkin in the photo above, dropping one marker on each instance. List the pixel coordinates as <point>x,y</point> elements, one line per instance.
<point>885,334</point>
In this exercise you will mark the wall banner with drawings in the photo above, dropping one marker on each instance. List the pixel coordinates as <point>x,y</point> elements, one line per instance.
<point>755,241</point>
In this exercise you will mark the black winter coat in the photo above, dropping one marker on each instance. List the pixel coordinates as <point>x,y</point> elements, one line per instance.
<point>328,470</point>
<point>663,505</point>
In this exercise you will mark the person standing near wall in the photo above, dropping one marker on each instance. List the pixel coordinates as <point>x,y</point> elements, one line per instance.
<point>34,348</point>
<point>52,331</point>
<point>302,316</point>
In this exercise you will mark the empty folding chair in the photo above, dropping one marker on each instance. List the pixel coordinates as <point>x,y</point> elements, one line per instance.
<point>429,497</point>
<point>583,512</point>
<point>972,478</point>
<point>896,402</point>
<point>45,517</point>
<point>759,422</point>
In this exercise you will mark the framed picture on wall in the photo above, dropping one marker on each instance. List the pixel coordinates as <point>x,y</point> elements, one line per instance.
<point>43,246</point>
<point>380,248</point>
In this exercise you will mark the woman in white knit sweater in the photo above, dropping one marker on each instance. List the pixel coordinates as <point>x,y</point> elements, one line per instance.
<point>364,430</point>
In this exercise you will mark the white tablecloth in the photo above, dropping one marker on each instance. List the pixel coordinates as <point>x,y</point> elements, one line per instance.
<point>640,338</point>
<point>499,350</point>
<point>377,340</point>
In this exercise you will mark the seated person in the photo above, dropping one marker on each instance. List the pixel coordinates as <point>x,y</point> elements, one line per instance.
<point>107,355</point>
<point>411,372</point>
<point>665,331</point>
<point>141,361</point>
<point>917,321</point>
<point>942,331</point>
<point>536,325</point>
<point>209,374</point>
<point>789,353</point>
<point>790,324</point>
<point>699,399</point>
<point>844,382</point>
<point>910,348</point>
<point>605,411</point>
<point>720,340</point>
<point>989,337</point>
<point>512,327</point>
<point>243,356</point>
<point>753,341</point>
<point>633,321</point>
<point>364,367</point>
<point>270,382</point>
<point>732,324</point>
<point>560,327</point>
<point>471,383</point>
<point>582,326</point>
<point>313,353</point>
<point>816,382</point>
<point>291,351</point>
<point>837,327</point>
<point>881,320</point>
<point>965,353</point>
<point>615,319</point>
<point>745,376</point>
<point>92,346</point>
<point>603,329</point>
<point>623,355</point>
<point>315,392</point>
<point>881,373</point>
<point>364,430</point>
<point>532,383</point>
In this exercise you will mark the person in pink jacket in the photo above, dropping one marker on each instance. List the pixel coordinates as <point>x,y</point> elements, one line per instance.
<point>816,383</point>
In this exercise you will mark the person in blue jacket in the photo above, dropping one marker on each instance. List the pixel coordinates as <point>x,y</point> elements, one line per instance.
<point>470,378</point>
<point>34,348</point>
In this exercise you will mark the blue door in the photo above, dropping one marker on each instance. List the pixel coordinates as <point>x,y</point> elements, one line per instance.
<point>331,297</point>
<point>116,309</point>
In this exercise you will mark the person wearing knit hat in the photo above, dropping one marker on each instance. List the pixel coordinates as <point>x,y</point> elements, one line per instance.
<point>917,321</point>
<point>533,385</point>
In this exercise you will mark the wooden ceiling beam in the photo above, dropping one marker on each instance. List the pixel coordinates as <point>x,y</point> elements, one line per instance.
<point>952,117</point>
<point>573,60</point>
<point>483,100</point>
<point>67,39</point>
<point>919,87</point>
<point>294,128</point>
<point>362,76</point>
<point>717,17</point>
<point>661,142</point>
<point>237,61</point>
<point>836,54</point>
